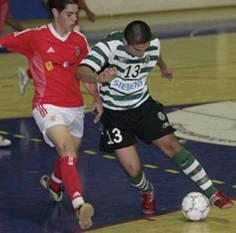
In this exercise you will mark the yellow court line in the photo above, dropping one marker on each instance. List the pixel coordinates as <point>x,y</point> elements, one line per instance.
<point>172,171</point>
<point>109,157</point>
<point>218,182</point>
<point>18,136</point>
<point>150,166</point>
<point>36,140</point>
<point>4,132</point>
<point>90,152</point>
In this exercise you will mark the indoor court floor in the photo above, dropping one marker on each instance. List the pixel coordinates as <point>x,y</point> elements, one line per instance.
<point>201,103</point>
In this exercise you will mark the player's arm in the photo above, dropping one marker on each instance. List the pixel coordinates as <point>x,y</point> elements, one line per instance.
<point>96,103</point>
<point>92,67</point>
<point>91,78</point>
<point>83,6</point>
<point>86,74</point>
<point>19,42</point>
<point>11,20</point>
<point>165,70</point>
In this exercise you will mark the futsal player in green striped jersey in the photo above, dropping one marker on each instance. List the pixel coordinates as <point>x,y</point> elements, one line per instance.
<point>128,111</point>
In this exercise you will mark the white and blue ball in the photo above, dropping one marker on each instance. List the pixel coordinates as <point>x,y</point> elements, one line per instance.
<point>195,206</point>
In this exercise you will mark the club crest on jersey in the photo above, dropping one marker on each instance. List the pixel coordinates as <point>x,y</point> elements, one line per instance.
<point>147,59</point>
<point>49,66</point>
<point>121,59</point>
<point>77,52</point>
<point>161,116</point>
<point>66,64</point>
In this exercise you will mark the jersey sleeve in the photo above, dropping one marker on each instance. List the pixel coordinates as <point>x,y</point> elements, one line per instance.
<point>20,42</point>
<point>85,48</point>
<point>98,57</point>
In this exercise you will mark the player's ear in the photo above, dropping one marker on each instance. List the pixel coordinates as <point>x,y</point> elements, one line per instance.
<point>125,42</point>
<point>55,13</point>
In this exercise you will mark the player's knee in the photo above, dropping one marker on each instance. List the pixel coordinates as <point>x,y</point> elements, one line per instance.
<point>67,149</point>
<point>170,148</point>
<point>168,144</point>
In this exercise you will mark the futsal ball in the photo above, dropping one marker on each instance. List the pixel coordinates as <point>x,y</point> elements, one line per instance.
<point>195,206</point>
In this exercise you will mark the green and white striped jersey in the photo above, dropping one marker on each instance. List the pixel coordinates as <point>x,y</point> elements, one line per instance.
<point>129,89</point>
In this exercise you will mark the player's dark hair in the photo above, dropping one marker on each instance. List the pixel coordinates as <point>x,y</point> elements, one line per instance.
<point>137,32</point>
<point>60,5</point>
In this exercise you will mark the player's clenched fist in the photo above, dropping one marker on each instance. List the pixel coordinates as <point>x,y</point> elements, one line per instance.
<point>107,75</point>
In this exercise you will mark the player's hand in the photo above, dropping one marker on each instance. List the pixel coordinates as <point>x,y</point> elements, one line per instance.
<point>166,73</point>
<point>107,75</point>
<point>97,109</point>
<point>91,16</point>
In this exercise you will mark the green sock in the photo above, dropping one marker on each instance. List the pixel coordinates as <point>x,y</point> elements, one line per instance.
<point>140,182</point>
<point>190,166</point>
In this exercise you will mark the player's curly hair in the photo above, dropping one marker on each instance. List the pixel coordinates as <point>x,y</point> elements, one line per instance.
<point>59,4</point>
<point>137,32</point>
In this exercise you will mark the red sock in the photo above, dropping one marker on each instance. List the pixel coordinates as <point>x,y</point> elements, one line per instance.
<point>71,180</point>
<point>55,180</point>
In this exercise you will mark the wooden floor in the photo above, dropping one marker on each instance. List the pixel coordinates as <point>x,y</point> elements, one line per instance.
<point>204,69</point>
<point>175,223</point>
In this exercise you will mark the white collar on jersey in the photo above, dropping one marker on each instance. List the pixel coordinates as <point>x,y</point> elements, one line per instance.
<point>56,34</point>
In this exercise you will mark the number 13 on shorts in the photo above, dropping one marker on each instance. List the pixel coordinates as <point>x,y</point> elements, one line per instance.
<point>114,136</point>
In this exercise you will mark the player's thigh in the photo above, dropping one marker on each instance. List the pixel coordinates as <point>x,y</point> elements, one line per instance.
<point>114,137</point>
<point>60,136</point>
<point>154,125</point>
<point>47,116</point>
<point>54,123</point>
<point>75,122</point>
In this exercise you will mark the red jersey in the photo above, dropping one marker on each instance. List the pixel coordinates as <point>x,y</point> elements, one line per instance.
<point>53,61</point>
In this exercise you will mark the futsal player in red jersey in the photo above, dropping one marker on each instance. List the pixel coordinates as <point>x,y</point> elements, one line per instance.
<point>54,52</point>
<point>25,75</point>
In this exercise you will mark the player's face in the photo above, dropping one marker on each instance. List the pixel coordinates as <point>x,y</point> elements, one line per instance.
<point>67,18</point>
<point>137,50</point>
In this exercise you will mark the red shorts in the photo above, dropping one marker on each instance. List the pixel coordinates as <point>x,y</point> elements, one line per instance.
<point>4,7</point>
